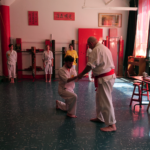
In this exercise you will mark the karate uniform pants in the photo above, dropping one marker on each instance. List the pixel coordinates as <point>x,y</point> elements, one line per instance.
<point>48,68</point>
<point>104,105</point>
<point>11,71</point>
<point>70,101</point>
<point>90,75</point>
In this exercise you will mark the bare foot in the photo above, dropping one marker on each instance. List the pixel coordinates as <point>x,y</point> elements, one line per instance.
<point>96,120</point>
<point>72,116</point>
<point>46,81</point>
<point>49,81</point>
<point>110,128</point>
<point>12,80</point>
<point>57,105</point>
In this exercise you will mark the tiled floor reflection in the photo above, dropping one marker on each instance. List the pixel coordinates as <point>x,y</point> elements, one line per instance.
<point>29,120</point>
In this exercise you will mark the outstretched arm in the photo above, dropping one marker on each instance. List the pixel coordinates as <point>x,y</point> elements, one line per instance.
<point>62,75</point>
<point>86,70</point>
<point>71,79</point>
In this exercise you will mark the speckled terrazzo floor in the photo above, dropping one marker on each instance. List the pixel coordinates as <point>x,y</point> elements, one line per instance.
<point>29,120</point>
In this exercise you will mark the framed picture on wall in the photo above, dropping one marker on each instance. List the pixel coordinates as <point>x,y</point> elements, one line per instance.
<point>33,18</point>
<point>109,20</point>
<point>68,16</point>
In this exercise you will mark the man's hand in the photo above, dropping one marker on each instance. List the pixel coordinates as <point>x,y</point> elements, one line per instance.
<point>86,70</point>
<point>80,76</point>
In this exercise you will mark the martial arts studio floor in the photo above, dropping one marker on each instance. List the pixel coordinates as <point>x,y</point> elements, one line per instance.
<point>29,120</point>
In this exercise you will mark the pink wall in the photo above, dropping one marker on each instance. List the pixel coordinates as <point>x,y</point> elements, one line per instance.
<point>62,31</point>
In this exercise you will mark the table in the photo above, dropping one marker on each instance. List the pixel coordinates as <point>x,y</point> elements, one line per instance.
<point>136,61</point>
<point>140,78</point>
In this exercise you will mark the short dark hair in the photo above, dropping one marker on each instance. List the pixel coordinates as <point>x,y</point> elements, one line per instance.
<point>70,45</point>
<point>69,58</point>
<point>10,45</point>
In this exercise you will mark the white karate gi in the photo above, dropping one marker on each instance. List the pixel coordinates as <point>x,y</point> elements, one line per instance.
<point>65,90</point>
<point>11,63</point>
<point>90,72</point>
<point>48,61</point>
<point>101,62</point>
<point>74,66</point>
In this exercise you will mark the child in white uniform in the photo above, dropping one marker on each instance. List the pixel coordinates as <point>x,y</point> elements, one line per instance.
<point>48,62</point>
<point>11,63</point>
<point>67,75</point>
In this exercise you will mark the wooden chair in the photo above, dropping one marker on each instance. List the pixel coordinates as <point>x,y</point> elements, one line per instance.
<point>137,84</point>
<point>140,93</point>
<point>148,106</point>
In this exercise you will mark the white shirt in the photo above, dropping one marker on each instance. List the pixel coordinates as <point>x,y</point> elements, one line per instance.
<point>101,61</point>
<point>64,75</point>
<point>11,57</point>
<point>89,50</point>
<point>48,57</point>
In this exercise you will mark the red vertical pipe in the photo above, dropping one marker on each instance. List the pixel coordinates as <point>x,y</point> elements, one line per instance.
<point>19,58</point>
<point>5,35</point>
<point>120,59</point>
<point>107,40</point>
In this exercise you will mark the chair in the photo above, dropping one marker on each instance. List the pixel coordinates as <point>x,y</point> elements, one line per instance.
<point>148,106</point>
<point>139,94</point>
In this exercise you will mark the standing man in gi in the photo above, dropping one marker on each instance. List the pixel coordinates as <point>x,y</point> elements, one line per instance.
<point>89,50</point>
<point>67,75</point>
<point>102,65</point>
<point>11,63</point>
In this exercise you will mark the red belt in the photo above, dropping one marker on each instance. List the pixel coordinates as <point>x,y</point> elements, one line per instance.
<point>111,72</point>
